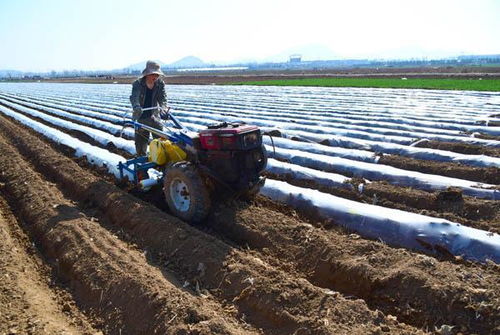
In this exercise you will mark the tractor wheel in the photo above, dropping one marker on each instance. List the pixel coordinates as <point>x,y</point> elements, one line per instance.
<point>185,192</point>
<point>261,159</point>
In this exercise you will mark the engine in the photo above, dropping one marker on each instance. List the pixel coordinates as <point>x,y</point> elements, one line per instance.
<point>233,153</point>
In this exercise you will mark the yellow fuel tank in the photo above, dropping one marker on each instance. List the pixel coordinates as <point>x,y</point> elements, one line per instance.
<point>163,151</point>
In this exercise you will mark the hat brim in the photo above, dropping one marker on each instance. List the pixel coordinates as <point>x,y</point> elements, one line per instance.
<point>144,74</point>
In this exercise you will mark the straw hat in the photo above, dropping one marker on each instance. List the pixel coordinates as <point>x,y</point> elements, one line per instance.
<point>152,67</point>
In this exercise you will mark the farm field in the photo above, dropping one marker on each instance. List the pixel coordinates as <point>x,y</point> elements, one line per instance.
<point>380,215</point>
<point>478,84</point>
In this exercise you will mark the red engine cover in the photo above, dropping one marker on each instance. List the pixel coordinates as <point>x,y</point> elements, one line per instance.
<point>230,137</point>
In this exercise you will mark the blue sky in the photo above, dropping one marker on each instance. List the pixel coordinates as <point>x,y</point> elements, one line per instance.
<point>105,34</point>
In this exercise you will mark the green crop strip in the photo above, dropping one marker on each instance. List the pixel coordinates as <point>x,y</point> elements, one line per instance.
<point>439,84</point>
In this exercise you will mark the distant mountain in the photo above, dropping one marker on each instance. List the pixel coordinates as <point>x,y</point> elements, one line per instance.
<point>140,66</point>
<point>187,62</point>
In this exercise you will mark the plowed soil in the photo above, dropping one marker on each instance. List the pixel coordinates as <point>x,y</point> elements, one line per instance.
<point>32,300</point>
<point>463,148</point>
<point>120,265</point>
<point>490,175</point>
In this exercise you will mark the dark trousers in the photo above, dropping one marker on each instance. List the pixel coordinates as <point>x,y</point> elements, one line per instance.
<point>142,135</point>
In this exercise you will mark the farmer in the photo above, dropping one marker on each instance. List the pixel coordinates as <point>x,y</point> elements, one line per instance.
<point>148,91</point>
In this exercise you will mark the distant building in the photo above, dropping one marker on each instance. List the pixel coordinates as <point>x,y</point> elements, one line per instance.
<point>295,58</point>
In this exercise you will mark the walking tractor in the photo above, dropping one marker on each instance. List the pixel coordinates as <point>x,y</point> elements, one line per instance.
<point>226,159</point>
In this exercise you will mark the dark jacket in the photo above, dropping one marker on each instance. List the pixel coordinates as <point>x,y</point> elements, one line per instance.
<point>139,93</point>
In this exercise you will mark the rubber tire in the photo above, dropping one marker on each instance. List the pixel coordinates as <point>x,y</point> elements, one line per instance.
<point>200,205</point>
<point>264,154</point>
<point>250,195</point>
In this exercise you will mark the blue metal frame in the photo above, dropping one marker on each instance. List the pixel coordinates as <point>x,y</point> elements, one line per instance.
<point>138,164</point>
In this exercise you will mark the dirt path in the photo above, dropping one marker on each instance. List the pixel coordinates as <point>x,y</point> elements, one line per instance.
<point>31,302</point>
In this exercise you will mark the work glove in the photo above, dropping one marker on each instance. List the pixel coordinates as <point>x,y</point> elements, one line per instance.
<point>136,114</point>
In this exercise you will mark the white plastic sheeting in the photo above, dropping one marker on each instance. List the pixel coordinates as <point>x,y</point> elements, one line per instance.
<point>394,227</point>
<point>195,105</point>
<point>380,147</point>
<point>383,172</point>
<point>449,112</point>
<point>333,124</point>
<point>94,155</point>
<point>447,108</point>
<point>315,148</point>
<point>326,126</point>
<point>72,102</point>
<point>298,172</point>
<point>386,148</point>
<point>98,135</point>
<point>293,128</point>
<point>87,117</point>
<point>87,111</point>
<point>332,138</point>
